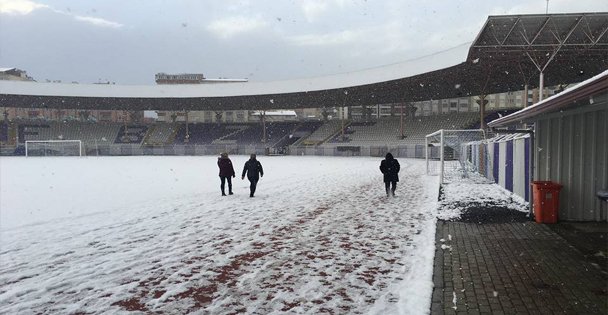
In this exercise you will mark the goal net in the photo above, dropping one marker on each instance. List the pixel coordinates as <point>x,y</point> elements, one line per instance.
<point>53,148</point>
<point>447,154</point>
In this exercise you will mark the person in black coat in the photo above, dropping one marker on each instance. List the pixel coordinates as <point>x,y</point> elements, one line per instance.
<point>390,168</point>
<point>253,169</point>
<point>226,172</point>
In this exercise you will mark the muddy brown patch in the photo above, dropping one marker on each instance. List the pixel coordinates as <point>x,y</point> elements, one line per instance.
<point>131,305</point>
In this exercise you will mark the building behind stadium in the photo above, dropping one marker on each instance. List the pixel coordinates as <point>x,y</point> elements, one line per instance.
<point>508,100</point>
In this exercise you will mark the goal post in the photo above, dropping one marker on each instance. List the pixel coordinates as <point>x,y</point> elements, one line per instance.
<point>53,148</point>
<point>447,154</point>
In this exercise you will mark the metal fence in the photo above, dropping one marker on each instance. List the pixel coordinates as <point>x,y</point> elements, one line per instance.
<point>403,151</point>
<point>506,160</point>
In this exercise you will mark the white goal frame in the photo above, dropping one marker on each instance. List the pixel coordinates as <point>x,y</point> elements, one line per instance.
<point>443,143</point>
<point>28,142</point>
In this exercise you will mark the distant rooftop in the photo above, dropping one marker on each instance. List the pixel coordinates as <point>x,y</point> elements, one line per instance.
<point>190,78</point>
<point>14,74</point>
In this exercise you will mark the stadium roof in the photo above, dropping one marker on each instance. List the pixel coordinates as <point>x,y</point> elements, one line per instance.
<point>577,95</point>
<point>507,54</point>
<point>510,36</point>
<point>556,44</point>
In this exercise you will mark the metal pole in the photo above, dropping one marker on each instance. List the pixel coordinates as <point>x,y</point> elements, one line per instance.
<point>525,97</point>
<point>187,137</point>
<point>426,153</point>
<point>125,117</point>
<point>482,111</point>
<point>403,135</point>
<point>342,114</point>
<point>263,113</point>
<point>541,87</point>
<point>342,122</point>
<point>532,168</point>
<point>441,159</point>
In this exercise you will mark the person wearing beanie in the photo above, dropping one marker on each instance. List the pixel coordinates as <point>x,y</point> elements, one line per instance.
<point>253,169</point>
<point>226,172</point>
<point>390,169</point>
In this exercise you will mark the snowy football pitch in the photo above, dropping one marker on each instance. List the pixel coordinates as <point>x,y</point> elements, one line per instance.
<point>154,234</point>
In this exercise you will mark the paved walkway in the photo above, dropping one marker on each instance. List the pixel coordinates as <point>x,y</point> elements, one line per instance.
<point>516,267</point>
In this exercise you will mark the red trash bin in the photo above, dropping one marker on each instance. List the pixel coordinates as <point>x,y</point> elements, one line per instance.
<point>545,195</point>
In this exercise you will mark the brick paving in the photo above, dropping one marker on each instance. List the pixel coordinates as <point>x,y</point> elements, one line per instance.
<point>512,268</point>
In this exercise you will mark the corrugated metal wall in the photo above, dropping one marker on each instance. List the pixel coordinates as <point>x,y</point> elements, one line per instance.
<point>571,148</point>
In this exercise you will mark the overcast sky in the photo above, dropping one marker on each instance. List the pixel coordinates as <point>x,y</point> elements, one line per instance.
<point>127,42</point>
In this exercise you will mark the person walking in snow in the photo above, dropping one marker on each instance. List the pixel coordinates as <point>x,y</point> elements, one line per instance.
<point>253,169</point>
<point>226,172</point>
<point>390,168</point>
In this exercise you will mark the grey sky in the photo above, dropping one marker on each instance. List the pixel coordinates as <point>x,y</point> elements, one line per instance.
<point>127,42</point>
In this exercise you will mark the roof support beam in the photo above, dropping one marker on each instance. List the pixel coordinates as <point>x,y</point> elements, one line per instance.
<point>510,31</point>
<point>571,31</point>
<point>537,64</point>
<point>561,42</point>
<point>588,32</point>
<point>495,37</point>
<point>600,36</point>
<point>540,30</point>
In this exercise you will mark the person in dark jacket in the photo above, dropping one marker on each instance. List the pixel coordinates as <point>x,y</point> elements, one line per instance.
<point>390,168</point>
<point>226,172</point>
<point>253,169</point>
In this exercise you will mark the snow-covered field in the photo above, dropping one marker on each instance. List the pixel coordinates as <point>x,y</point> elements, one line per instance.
<point>152,234</point>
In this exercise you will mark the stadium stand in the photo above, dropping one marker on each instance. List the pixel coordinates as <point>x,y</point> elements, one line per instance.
<point>416,130</point>
<point>131,134</point>
<point>275,132</point>
<point>11,135</point>
<point>3,132</point>
<point>388,130</point>
<point>160,134</point>
<point>372,131</point>
<point>199,133</point>
<point>34,132</point>
<point>281,137</point>
<point>88,133</point>
<point>302,130</point>
<point>323,132</point>
<point>232,135</point>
